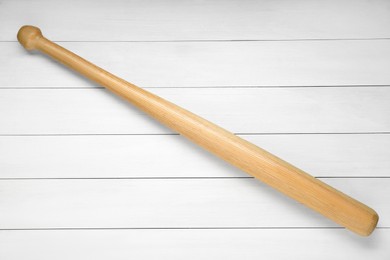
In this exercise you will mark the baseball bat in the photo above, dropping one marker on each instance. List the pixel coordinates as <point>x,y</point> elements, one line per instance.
<point>253,160</point>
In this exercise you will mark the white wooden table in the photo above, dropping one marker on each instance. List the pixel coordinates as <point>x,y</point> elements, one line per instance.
<point>86,176</point>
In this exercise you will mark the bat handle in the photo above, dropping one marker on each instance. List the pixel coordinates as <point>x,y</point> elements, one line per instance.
<point>255,161</point>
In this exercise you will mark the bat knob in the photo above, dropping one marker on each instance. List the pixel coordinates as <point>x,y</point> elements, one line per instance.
<point>28,36</point>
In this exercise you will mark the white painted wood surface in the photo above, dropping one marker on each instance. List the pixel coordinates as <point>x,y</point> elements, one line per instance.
<point>210,64</point>
<point>241,110</point>
<point>284,244</point>
<point>84,175</point>
<point>135,156</point>
<point>168,20</point>
<point>169,203</point>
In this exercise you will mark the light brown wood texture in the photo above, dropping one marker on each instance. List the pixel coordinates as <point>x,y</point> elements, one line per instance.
<point>264,166</point>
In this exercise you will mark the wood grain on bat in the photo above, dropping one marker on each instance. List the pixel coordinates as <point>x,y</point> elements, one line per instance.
<point>257,162</point>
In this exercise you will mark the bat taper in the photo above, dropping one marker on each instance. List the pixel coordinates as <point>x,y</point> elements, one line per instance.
<point>253,160</point>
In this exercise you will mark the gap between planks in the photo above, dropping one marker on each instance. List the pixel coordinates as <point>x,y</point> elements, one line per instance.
<point>176,228</point>
<point>206,87</point>
<point>227,40</point>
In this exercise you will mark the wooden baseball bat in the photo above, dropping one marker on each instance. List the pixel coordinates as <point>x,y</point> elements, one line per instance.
<point>253,160</point>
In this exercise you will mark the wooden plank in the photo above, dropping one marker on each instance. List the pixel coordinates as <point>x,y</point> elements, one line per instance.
<point>170,203</point>
<point>322,244</point>
<point>122,20</point>
<point>205,64</point>
<point>240,110</point>
<point>131,156</point>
